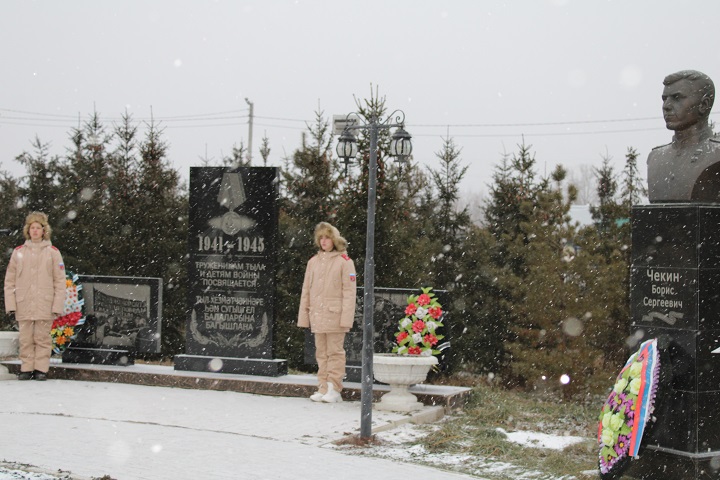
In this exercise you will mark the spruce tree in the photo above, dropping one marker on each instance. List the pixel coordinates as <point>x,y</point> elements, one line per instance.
<point>607,246</point>
<point>123,188</point>
<point>608,211</point>
<point>265,150</point>
<point>448,225</point>
<point>480,310</point>
<point>40,190</point>
<point>633,188</point>
<point>450,221</point>
<point>513,196</point>
<point>83,238</point>
<point>547,297</point>
<point>544,292</point>
<point>160,230</point>
<point>237,158</point>
<point>11,221</point>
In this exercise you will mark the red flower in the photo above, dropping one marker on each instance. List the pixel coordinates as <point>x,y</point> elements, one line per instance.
<point>435,312</point>
<point>414,351</point>
<point>70,319</point>
<point>430,338</point>
<point>418,326</point>
<point>423,299</point>
<point>401,336</point>
<point>410,309</point>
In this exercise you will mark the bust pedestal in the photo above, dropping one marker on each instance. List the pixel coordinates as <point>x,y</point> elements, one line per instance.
<point>675,297</point>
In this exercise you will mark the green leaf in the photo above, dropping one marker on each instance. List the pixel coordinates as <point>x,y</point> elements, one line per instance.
<point>608,453</point>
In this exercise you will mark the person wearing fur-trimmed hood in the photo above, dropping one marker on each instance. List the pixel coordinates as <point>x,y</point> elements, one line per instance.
<point>35,294</point>
<point>327,307</point>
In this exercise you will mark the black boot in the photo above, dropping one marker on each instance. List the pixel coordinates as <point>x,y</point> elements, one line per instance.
<point>38,375</point>
<point>25,375</point>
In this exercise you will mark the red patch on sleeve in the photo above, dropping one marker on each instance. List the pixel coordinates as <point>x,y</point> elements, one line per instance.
<point>345,256</point>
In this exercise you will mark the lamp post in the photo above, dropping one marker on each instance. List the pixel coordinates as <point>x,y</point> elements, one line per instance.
<point>400,147</point>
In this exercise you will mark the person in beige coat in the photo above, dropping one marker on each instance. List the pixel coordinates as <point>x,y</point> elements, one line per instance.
<point>327,307</point>
<point>35,293</point>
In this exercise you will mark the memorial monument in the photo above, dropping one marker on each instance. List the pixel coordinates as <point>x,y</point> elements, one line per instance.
<point>674,278</point>
<point>233,235</point>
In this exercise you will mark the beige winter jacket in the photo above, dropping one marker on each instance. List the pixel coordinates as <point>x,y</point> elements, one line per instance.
<point>35,282</point>
<point>327,303</point>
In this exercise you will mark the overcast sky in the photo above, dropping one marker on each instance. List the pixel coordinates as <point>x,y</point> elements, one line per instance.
<point>578,78</point>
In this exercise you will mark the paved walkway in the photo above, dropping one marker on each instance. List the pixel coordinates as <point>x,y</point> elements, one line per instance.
<point>149,432</point>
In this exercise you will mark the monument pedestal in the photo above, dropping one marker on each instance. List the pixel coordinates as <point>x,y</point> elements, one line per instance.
<point>98,356</point>
<point>240,366</point>
<point>675,297</point>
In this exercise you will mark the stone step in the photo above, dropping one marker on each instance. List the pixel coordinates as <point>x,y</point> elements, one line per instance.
<point>451,398</point>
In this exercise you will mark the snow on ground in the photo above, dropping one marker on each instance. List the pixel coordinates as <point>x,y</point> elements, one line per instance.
<point>181,419</point>
<point>24,473</point>
<point>541,440</point>
<point>400,444</point>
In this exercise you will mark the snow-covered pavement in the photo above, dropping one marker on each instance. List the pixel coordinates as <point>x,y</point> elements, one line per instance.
<point>130,432</point>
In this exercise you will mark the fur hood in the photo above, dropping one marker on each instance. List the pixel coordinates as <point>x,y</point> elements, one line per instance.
<point>324,228</point>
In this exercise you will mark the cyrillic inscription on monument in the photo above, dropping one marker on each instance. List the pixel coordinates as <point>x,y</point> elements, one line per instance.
<point>233,234</point>
<point>665,296</point>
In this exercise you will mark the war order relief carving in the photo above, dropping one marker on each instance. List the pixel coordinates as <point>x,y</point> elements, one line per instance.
<point>688,168</point>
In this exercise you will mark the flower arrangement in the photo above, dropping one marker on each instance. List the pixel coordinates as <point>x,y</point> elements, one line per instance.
<point>417,335</point>
<point>625,413</point>
<point>64,327</point>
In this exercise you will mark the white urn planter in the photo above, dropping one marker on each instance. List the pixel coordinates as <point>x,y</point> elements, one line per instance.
<point>400,372</point>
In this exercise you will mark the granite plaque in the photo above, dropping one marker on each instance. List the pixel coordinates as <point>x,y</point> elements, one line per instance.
<point>123,317</point>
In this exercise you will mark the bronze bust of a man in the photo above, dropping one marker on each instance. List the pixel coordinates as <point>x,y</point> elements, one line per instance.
<point>688,168</point>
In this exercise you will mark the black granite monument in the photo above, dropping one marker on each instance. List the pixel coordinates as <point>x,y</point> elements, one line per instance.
<point>674,286</point>
<point>233,234</point>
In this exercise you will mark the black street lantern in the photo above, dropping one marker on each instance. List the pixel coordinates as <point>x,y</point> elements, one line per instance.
<point>346,149</point>
<point>400,145</point>
<point>347,145</point>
